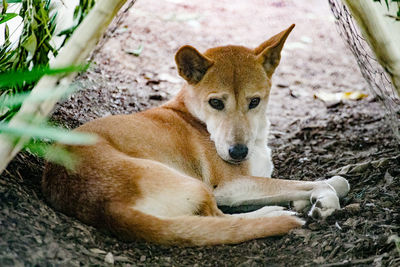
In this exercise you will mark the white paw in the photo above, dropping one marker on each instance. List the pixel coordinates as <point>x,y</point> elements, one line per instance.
<point>325,198</point>
<point>340,184</point>
<point>324,203</point>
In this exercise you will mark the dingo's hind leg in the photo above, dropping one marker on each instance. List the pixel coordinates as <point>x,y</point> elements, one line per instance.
<point>131,224</point>
<point>165,192</point>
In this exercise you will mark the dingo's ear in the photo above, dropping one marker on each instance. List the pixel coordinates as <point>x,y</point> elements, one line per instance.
<point>269,52</point>
<point>192,65</point>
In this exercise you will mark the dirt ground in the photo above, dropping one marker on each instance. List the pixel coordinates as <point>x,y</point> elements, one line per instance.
<point>310,140</point>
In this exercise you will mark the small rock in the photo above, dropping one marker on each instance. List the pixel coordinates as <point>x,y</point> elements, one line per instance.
<point>351,222</point>
<point>353,207</point>
<point>319,260</point>
<point>388,178</point>
<point>109,258</point>
<point>142,258</point>
<point>301,232</point>
<point>313,226</point>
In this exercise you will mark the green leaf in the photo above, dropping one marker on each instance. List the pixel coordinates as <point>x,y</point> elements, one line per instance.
<point>30,44</point>
<point>67,31</point>
<point>6,35</point>
<point>52,153</point>
<point>11,1</point>
<point>49,133</point>
<point>17,99</point>
<point>7,16</point>
<point>19,77</point>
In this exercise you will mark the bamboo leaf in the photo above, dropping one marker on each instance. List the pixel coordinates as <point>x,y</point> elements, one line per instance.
<point>52,153</point>
<point>5,2</point>
<point>7,16</point>
<point>16,100</point>
<point>6,35</point>
<point>30,44</point>
<point>15,78</point>
<point>49,133</point>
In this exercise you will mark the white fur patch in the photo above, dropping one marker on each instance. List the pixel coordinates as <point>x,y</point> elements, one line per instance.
<point>260,162</point>
<point>167,202</point>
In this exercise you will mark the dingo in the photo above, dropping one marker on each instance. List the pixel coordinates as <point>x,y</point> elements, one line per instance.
<point>158,175</point>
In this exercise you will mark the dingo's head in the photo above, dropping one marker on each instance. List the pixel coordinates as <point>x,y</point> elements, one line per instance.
<point>228,89</point>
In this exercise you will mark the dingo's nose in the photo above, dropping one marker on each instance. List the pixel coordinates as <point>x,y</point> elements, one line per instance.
<point>238,151</point>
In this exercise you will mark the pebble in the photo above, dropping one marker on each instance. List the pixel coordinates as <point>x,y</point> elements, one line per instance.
<point>353,207</point>
<point>313,226</point>
<point>109,258</point>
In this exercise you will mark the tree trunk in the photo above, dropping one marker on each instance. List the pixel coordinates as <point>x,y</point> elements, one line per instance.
<point>381,32</point>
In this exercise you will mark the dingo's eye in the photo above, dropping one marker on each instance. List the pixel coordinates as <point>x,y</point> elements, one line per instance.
<point>216,103</point>
<point>254,102</point>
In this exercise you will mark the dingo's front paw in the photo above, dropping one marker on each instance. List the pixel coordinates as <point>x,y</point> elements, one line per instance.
<point>324,202</point>
<point>324,207</point>
<point>340,184</point>
<point>325,198</point>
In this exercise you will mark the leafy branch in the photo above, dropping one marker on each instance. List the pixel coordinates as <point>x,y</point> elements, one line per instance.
<point>42,135</point>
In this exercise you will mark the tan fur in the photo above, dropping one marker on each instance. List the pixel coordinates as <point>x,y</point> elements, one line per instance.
<point>158,175</point>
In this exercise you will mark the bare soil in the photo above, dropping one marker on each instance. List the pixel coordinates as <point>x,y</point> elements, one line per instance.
<point>310,140</point>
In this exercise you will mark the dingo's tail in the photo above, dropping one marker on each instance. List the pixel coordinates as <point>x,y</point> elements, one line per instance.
<point>131,224</point>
